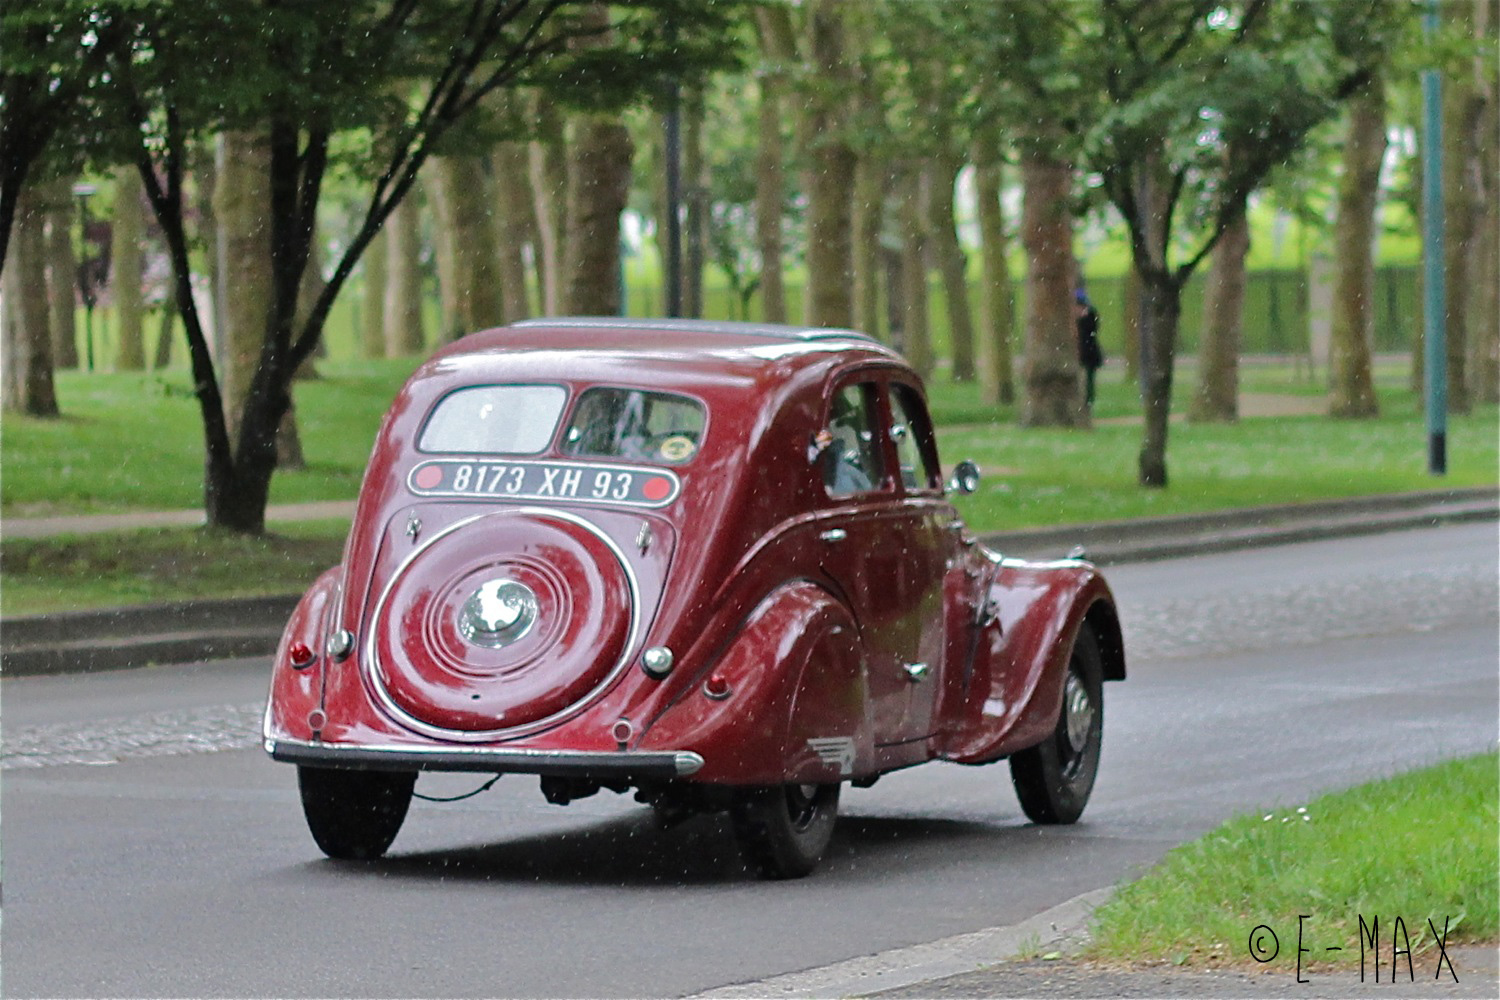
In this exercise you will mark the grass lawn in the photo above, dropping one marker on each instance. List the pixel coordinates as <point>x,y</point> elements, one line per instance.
<point>134,442</point>
<point>163,564</point>
<point>1416,846</point>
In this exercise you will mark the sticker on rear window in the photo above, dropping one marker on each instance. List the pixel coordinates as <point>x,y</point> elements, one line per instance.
<point>608,484</point>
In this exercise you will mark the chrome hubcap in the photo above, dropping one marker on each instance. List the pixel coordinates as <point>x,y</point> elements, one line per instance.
<point>498,613</point>
<point>1079,711</point>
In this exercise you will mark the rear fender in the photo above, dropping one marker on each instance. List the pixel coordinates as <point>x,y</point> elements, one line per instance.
<point>295,692</point>
<point>797,707</point>
<point>1021,658</point>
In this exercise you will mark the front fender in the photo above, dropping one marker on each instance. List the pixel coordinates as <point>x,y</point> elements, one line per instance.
<point>797,707</point>
<point>1014,690</point>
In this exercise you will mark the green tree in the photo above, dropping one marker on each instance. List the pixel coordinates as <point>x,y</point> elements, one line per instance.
<point>54,51</point>
<point>319,82</point>
<point>1182,81</point>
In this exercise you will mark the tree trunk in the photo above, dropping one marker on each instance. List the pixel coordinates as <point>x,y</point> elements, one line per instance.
<point>996,298</point>
<point>205,175</point>
<point>599,153</point>
<point>1485,305</point>
<point>166,329</point>
<point>514,225</point>
<point>62,275</point>
<point>403,281</point>
<point>1462,106</point>
<point>1217,399</point>
<point>464,205</point>
<point>1162,309</point>
<point>770,182</point>
<point>240,196</point>
<point>948,258</point>
<point>1352,384</point>
<point>372,298</point>
<point>1054,394</point>
<point>830,176</point>
<point>125,251</point>
<point>695,201</point>
<point>871,178</point>
<point>548,163</point>
<point>442,252</point>
<point>895,280</point>
<point>28,362</point>
<point>12,348</point>
<point>916,335</point>
<point>1160,313</point>
<point>1132,327</point>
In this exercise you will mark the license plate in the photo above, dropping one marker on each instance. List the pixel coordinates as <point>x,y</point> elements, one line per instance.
<point>629,486</point>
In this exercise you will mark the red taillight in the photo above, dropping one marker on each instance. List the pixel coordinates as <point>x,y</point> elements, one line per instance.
<point>301,655</point>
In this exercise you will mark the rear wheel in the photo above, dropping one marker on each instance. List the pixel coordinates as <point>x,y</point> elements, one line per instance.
<point>1054,778</point>
<point>783,830</point>
<point>354,815</point>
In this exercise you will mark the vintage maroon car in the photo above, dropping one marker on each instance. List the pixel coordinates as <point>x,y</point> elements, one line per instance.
<point>711,562</point>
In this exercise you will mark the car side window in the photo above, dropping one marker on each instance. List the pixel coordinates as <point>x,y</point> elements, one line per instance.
<point>913,434</point>
<point>852,462</point>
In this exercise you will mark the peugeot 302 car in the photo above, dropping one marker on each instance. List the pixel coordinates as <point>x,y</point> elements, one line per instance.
<point>712,563</point>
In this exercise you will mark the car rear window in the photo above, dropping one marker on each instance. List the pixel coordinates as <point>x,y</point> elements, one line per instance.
<point>635,425</point>
<point>495,420</point>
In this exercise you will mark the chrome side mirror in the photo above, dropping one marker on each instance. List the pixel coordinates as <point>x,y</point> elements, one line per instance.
<point>965,478</point>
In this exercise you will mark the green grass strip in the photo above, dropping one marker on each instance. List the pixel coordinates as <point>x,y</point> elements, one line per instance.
<point>1418,846</point>
<point>163,564</point>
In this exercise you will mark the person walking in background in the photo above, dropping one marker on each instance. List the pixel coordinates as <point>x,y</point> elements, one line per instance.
<point>1090,354</point>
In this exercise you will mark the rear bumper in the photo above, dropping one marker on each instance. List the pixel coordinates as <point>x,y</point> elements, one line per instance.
<point>624,764</point>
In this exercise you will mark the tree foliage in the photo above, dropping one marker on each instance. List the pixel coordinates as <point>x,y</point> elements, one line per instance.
<point>369,87</point>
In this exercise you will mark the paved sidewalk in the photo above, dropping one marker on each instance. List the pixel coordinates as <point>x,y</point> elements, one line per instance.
<point>95,524</point>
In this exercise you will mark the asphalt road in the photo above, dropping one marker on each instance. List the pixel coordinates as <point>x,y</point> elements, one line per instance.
<point>151,849</point>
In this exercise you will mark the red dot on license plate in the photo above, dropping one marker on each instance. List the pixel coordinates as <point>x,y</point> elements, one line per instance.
<point>656,488</point>
<point>428,477</point>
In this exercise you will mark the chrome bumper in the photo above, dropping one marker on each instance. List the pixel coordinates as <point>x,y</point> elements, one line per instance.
<point>561,763</point>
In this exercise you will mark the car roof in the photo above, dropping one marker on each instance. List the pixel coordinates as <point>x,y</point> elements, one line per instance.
<point>668,353</point>
<point>716,328</point>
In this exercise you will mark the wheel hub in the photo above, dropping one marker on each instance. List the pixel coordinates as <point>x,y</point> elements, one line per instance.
<point>1079,711</point>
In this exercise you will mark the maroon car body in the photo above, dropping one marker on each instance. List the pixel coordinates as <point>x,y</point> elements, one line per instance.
<point>712,562</point>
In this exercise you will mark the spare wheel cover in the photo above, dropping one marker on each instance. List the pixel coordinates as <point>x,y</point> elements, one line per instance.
<point>503,621</point>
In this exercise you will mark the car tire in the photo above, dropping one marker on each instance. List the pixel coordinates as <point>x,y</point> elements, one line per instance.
<point>354,815</point>
<point>1054,778</point>
<point>783,830</point>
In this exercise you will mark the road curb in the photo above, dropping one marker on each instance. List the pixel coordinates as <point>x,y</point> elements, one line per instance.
<point>84,641</point>
<point>921,963</point>
<point>1145,539</point>
<point>113,638</point>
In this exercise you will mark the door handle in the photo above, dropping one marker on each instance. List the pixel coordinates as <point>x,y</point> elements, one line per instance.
<point>834,535</point>
<point>915,671</point>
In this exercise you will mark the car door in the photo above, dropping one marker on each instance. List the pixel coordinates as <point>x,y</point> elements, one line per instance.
<point>860,534</point>
<point>929,543</point>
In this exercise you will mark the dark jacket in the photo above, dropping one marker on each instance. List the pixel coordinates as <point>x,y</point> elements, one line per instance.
<point>1090,355</point>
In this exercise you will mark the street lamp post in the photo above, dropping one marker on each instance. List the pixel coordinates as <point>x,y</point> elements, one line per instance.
<point>82,191</point>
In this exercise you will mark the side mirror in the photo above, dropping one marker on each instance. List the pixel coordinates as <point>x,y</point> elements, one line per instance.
<point>965,478</point>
